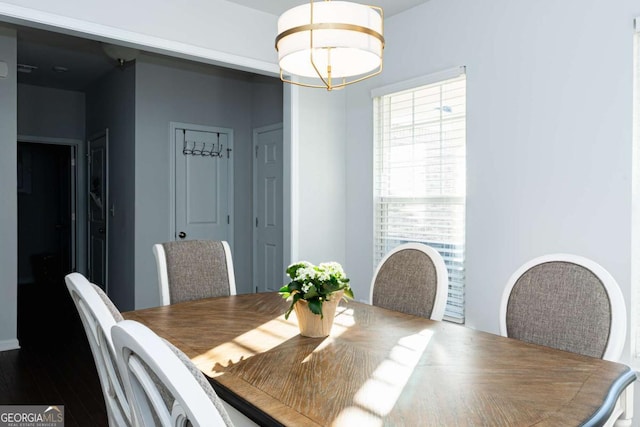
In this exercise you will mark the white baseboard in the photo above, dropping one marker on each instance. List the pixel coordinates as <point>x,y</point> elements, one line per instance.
<point>9,345</point>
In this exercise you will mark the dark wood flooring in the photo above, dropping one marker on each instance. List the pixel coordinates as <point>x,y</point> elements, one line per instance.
<point>54,365</point>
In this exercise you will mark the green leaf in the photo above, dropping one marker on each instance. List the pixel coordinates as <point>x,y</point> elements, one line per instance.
<point>311,293</point>
<point>288,312</point>
<point>332,287</point>
<point>315,306</point>
<point>294,286</point>
<point>292,270</point>
<point>348,293</point>
<point>295,299</point>
<point>284,289</point>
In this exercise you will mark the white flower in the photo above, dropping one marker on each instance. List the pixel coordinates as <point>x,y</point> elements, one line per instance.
<point>304,263</point>
<point>333,268</point>
<point>314,283</point>
<point>305,274</point>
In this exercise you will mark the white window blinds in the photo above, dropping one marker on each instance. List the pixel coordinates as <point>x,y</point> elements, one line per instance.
<point>419,182</point>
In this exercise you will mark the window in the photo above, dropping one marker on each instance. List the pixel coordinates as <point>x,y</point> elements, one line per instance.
<point>419,172</point>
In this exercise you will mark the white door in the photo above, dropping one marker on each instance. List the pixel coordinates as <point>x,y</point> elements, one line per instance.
<point>98,188</point>
<point>203,183</point>
<point>268,269</point>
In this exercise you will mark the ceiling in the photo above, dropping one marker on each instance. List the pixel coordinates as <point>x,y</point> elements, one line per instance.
<point>277,7</point>
<point>85,60</point>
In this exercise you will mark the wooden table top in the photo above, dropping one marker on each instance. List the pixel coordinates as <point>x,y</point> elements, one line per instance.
<point>380,367</point>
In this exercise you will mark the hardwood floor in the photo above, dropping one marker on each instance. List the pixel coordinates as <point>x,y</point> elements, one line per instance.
<point>54,365</point>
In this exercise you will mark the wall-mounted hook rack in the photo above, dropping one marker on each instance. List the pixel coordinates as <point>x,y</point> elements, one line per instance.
<point>197,148</point>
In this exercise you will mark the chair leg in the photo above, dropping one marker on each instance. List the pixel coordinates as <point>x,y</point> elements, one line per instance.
<point>624,416</point>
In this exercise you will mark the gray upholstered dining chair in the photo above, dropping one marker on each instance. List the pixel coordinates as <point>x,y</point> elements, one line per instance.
<point>98,314</point>
<point>162,384</point>
<point>411,278</point>
<point>567,302</point>
<point>194,269</point>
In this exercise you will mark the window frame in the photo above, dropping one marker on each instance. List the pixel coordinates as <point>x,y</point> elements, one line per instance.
<point>453,252</point>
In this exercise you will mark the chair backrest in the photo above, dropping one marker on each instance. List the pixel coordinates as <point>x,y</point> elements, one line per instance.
<point>163,385</point>
<point>567,302</point>
<point>413,279</point>
<point>194,269</point>
<point>98,315</point>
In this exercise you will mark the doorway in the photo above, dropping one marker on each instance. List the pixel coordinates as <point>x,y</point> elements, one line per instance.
<point>47,226</point>
<point>49,231</point>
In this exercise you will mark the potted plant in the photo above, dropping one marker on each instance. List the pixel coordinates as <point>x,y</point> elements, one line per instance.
<point>314,292</point>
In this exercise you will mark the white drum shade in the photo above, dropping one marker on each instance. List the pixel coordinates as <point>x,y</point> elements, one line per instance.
<point>346,36</point>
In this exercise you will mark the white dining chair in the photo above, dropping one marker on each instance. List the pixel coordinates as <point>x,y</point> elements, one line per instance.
<point>567,302</point>
<point>411,278</point>
<point>194,269</point>
<point>163,385</point>
<point>98,314</point>
<point>571,303</point>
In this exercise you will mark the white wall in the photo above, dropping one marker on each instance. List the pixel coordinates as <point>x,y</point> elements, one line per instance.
<point>549,126</point>
<point>8,192</point>
<point>320,175</point>
<point>549,120</point>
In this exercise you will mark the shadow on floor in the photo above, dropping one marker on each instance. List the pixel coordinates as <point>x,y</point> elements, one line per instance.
<point>54,365</point>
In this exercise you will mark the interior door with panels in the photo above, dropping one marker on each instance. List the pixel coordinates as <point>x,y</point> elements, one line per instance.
<point>203,183</point>
<point>98,189</point>
<point>268,211</point>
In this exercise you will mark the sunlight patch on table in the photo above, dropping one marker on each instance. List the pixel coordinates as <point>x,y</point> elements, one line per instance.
<point>380,393</point>
<point>354,416</point>
<point>268,335</point>
<point>258,340</point>
<point>344,320</point>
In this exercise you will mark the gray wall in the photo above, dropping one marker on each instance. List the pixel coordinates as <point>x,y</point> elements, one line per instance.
<point>8,192</point>
<point>56,116</point>
<point>111,104</point>
<point>174,91</point>
<point>266,101</point>
<point>239,39</point>
<point>51,113</point>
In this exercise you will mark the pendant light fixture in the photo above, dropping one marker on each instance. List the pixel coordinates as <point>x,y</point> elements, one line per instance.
<point>330,44</point>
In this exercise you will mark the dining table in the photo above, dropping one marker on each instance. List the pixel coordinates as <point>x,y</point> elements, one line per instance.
<point>380,367</point>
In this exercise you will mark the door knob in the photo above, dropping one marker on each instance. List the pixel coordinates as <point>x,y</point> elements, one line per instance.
<point>182,234</point>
